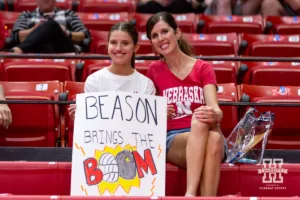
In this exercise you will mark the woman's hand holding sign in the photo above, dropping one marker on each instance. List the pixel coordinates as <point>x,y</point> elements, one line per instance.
<point>71,110</point>
<point>170,111</point>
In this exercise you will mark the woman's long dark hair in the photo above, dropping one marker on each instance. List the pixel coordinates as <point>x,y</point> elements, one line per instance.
<point>184,46</point>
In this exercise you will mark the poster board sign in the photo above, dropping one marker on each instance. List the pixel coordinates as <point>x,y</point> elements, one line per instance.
<point>119,145</point>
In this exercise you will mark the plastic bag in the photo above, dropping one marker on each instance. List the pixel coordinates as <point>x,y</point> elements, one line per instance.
<point>247,142</point>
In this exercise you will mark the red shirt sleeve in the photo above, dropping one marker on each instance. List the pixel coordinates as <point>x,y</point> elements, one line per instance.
<point>208,75</point>
<point>150,73</point>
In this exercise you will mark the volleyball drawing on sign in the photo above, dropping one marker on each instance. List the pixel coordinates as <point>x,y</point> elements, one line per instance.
<point>118,167</point>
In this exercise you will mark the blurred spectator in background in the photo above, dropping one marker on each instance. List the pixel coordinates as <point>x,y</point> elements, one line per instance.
<point>280,7</point>
<point>234,7</point>
<point>48,30</point>
<point>171,6</point>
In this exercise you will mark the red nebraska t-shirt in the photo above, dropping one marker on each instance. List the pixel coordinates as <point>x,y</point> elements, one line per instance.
<point>186,95</point>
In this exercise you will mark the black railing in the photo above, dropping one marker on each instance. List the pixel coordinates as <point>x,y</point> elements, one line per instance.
<point>106,57</point>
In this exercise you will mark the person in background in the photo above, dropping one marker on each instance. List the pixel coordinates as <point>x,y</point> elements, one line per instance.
<point>48,29</point>
<point>280,8</point>
<point>233,7</point>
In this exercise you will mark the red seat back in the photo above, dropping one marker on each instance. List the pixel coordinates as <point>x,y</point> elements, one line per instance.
<point>40,178</point>
<point>9,18</point>
<point>230,24</point>
<point>285,133</point>
<point>102,21</point>
<point>228,93</point>
<point>284,25</point>
<point>35,125</point>
<point>226,71</point>
<point>30,5</point>
<point>104,6</point>
<point>38,70</point>
<point>213,44</point>
<point>186,22</point>
<point>71,88</point>
<point>272,45</point>
<point>272,73</point>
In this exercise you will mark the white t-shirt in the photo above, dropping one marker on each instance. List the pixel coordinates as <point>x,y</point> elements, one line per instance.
<point>104,80</point>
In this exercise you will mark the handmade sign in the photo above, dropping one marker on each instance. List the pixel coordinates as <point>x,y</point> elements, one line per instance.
<point>119,145</point>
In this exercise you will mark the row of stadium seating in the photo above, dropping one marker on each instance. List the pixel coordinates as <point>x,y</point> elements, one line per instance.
<point>77,5</point>
<point>49,124</point>
<point>189,23</point>
<point>250,73</point>
<point>54,178</point>
<point>218,44</point>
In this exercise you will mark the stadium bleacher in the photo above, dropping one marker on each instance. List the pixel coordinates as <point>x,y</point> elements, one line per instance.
<point>31,176</point>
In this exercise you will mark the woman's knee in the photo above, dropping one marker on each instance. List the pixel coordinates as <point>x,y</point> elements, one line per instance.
<point>215,145</point>
<point>199,127</point>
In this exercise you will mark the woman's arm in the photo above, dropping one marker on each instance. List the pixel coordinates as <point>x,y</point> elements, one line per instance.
<point>210,95</point>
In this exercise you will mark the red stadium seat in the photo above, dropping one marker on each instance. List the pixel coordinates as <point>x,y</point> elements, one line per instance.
<point>9,18</point>
<point>38,70</point>
<point>93,66</point>
<point>33,125</point>
<point>29,178</point>
<point>285,133</point>
<point>281,183</point>
<point>99,42</point>
<point>186,22</point>
<point>24,5</point>
<point>271,73</point>
<point>213,44</point>
<point>104,6</point>
<point>283,25</point>
<point>59,175</point>
<point>173,175</point>
<point>229,172</point>
<point>64,178</point>
<point>230,24</point>
<point>226,71</point>
<point>102,21</point>
<point>271,45</point>
<point>71,88</point>
<point>228,93</point>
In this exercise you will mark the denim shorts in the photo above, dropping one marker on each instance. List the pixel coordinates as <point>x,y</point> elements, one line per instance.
<point>171,135</point>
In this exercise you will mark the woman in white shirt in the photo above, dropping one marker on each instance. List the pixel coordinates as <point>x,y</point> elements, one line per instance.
<point>120,75</point>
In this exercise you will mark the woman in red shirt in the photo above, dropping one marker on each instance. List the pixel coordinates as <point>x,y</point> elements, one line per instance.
<point>194,138</point>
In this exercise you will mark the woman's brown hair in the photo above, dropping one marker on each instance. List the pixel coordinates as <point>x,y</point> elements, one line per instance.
<point>184,46</point>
